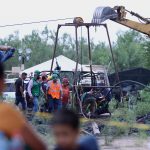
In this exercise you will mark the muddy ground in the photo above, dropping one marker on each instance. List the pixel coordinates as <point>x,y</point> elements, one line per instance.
<point>123,143</point>
<point>132,142</point>
<point>126,143</point>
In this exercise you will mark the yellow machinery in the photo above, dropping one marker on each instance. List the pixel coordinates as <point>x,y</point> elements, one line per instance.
<point>118,14</point>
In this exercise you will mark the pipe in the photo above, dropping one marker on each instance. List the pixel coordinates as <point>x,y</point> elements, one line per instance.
<point>55,47</point>
<point>90,56</point>
<point>112,54</point>
<point>77,54</point>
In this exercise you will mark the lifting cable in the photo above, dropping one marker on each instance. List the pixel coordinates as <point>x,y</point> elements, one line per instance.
<point>35,22</point>
<point>76,72</point>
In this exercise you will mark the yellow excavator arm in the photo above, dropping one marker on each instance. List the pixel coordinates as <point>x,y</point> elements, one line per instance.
<point>143,26</point>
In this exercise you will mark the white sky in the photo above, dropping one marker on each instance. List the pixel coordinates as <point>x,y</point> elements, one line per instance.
<point>18,11</point>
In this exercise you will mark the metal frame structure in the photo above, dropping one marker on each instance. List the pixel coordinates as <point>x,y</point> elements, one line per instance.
<point>87,25</point>
<point>76,25</point>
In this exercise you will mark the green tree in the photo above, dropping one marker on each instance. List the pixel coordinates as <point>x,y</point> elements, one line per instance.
<point>128,50</point>
<point>146,48</point>
<point>101,54</point>
<point>14,41</point>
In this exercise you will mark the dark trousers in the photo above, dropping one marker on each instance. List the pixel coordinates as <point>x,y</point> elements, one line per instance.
<point>29,101</point>
<point>54,104</point>
<point>20,99</point>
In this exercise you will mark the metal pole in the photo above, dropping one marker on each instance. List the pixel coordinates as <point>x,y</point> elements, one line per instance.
<point>23,63</point>
<point>77,54</point>
<point>55,47</point>
<point>112,54</point>
<point>96,86</point>
<point>90,56</point>
<point>81,51</point>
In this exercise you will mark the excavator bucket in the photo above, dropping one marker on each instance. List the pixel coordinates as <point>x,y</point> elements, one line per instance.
<point>103,13</point>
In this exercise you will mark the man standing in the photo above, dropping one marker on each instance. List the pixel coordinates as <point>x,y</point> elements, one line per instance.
<point>44,83</point>
<point>54,92</point>
<point>34,90</point>
<point>66,92</point>
<point>19,86</point>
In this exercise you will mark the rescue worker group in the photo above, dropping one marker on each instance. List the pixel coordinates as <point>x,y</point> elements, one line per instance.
<point>53,93</point>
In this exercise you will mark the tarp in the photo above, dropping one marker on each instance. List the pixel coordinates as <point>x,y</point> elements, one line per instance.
<point>65,63</point>
<point>141,75</point>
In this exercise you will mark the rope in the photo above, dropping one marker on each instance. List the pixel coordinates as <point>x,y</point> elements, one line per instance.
<point>35,22</point>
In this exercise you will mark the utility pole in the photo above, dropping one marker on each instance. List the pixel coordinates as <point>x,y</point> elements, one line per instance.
<point>24,55</point>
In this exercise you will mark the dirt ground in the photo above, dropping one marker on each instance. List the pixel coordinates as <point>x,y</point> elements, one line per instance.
<point>122,143</point>
<point>134,142</point>
<point>126,143</point>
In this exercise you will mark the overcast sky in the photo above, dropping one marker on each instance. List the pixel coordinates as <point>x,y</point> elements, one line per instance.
<point>18,11</point>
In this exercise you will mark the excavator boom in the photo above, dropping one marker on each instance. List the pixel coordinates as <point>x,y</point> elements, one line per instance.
<point>143,28</point>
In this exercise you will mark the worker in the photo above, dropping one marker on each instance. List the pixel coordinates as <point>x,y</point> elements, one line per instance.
<point>19,86</point>
<point>54,94</point>
<point>66,127</point>
<point>34,90</point>
<point>44,105</point>
<point>66,92</point>
<point>15,126</point>
<point>49,78</point>
<point>31,75</point>
<point>57,72</point>
<point>58,67</point>
<point>44,82</point>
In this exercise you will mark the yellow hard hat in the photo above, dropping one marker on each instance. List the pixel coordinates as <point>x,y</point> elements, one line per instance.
<point>49,77</point>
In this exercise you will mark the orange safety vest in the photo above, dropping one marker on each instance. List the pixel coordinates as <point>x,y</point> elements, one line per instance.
<point>54,90</point>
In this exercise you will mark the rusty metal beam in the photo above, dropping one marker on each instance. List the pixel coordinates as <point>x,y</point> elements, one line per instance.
<point>55,47</point>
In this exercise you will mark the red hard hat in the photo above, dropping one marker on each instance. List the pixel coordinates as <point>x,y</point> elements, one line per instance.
<point>65,80</point>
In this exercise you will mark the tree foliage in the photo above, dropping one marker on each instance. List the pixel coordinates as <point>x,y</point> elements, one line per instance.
<point>130,50</point>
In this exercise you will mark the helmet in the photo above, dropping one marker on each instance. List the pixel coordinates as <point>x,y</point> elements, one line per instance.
<point>54,77</point>
<point>56,72</point>
<point>37,72</point>
<point>49,77</point>
<point>65,80</point>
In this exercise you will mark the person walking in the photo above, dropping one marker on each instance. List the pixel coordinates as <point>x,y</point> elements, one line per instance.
<point>66,92</point>
<point>44,106</point>
<point>44,83</point>
<point>19,86</point>
<point>54,94</point>
<point>34,90</point>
